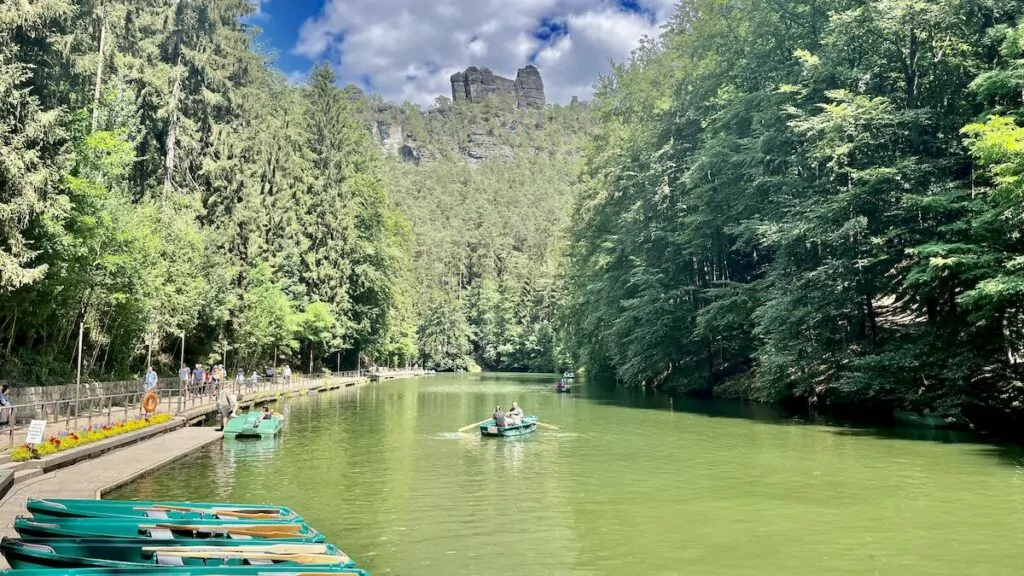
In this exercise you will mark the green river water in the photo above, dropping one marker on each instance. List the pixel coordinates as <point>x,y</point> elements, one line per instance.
<point>633,483</point>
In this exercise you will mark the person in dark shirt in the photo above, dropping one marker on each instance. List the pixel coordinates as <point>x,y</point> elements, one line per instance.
<point>499,417</point>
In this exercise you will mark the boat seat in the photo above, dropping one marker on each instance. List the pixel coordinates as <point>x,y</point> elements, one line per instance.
<point>156,514</point>
<point>239,537</point>
<point>38,548</point>
<point>169,560</point>
<point>161,534</point>
<point>259,561</point>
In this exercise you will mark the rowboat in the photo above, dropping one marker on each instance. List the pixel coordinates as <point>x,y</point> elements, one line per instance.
<point>563,389</point>
<point>189,571</point>
<point>489,428</point>
<point>81,508</point>
<point>113,553</point>
<point>32,530</point>
<point>253,425</point>
<point>569,375</point>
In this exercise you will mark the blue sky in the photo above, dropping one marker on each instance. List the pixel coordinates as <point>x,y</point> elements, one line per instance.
<point>407,49</point>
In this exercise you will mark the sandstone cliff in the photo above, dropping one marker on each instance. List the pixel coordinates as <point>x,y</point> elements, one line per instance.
<point>477,84</point>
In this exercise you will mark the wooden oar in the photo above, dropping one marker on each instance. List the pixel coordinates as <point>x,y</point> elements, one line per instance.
<point>270,549</point>
<point>296,558</point>
<point>255,530</point>
<point>548,426</point>
<point>216,511</point>
<point>464,428</point>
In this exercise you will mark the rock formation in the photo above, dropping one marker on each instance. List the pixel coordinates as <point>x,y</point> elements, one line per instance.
<point>529,88</point>
<point>477,84</point>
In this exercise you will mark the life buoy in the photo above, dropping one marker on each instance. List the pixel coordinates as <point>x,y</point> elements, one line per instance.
<point>149,402</point>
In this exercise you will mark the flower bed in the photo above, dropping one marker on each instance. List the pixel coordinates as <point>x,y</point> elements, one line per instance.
<point>69,440</point>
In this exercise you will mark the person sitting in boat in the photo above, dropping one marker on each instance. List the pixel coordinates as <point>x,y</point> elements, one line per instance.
<point>499,417</point>
<point>267,414</point>
<point>515,414</point>
<point>560,385</point>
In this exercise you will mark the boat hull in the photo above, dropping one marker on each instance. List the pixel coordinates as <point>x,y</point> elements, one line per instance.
<point>32,530</point>
<point>64,554</point>
<point>188,571</point>
<point>253,425</point>
<point>528,426</point>
<point>80,508</point>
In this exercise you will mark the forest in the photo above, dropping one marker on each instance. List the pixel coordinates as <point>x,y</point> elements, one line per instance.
<point>165,191</point>
<point>816,202</point>
<point>812,201</point>
<point>489,237</point>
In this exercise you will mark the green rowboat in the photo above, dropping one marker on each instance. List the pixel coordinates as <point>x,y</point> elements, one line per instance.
<point>489,428</point>
<point>131,554</point>
<point>32,530</point>
<point>81,508</point>
<point>190,571</point>
<point>253,425</point>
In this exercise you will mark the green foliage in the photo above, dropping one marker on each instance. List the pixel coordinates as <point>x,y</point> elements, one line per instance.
<point>159,177</point>
<point>784,196</point>
<point>487,233</point>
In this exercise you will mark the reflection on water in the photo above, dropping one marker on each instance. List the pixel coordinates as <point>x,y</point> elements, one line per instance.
<point>633,483</point>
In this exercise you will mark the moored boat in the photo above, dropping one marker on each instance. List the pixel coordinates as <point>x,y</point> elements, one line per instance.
<point>114,553</point>
<point>569,375</point>
<point>253,425</point>
<point>489,428</point>
<point>32,530</point>
<point>188,571</point>
<point>82,508</point>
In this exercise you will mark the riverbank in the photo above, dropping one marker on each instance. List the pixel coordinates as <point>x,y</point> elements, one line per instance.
<point>92,478</point>
<point>94,469</point>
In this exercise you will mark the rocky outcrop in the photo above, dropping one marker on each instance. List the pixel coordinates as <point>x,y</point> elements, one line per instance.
<point>478,84</point>
<point>482,145</point>
<point>396,141</point>
<point>529,88</point>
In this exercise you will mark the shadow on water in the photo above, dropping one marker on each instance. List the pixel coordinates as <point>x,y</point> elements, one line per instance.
<point>1008,452</point>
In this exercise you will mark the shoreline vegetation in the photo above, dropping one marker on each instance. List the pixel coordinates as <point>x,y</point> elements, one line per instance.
<point>816,205</point>
<point>812,204</point>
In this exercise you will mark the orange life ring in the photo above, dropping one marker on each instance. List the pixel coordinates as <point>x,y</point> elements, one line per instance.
<point>149,402</point>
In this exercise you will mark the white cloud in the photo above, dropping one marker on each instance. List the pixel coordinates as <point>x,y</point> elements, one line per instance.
<point>408,49</point>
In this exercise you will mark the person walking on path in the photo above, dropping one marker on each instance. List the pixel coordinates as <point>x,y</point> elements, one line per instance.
<point>240,379</point>
<point>150,380</point>
<point>183,376</point>
<point>198,376</point>
<point>5,406</point>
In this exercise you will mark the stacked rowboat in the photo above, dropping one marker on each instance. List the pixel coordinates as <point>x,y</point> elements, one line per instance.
<point>126,538</point>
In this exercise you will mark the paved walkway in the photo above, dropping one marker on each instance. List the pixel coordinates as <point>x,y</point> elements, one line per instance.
<point>190,406</point>
<point>85,479</point>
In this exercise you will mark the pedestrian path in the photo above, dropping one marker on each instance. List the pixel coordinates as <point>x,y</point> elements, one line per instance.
<point>116,468</point>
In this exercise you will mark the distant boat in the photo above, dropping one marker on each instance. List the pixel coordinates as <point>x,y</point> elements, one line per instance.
<point>253,425</point>
<point>489,428</point>
<point>915,419</point>
<point>562,388</point>
<point>569,375</point>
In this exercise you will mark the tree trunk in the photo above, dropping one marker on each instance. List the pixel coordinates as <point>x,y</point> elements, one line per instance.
<point>99,68</point>
<point>172,133</point>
